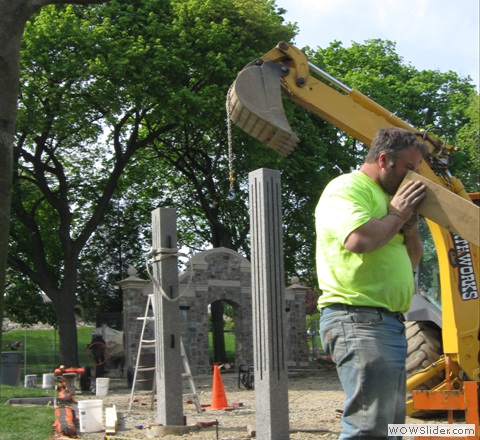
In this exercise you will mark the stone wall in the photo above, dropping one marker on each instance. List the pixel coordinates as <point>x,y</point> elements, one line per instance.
<point>134,304</point>
<point>218,274</point>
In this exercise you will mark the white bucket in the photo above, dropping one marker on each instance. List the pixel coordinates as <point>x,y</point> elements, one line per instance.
<point>101,387</point>
<point>48,382</point>
<point>90,415</point>
<point>30,381</point>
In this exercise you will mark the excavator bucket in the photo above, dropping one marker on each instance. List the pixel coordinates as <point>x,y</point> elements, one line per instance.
<point>255,105</point>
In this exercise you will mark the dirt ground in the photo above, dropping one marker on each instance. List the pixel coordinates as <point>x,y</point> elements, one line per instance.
<point>314,397</point>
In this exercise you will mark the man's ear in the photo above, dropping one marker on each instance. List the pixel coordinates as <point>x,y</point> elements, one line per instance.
<point>383,160</point>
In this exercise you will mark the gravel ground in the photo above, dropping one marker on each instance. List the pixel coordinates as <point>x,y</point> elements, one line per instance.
<point>314,396</point>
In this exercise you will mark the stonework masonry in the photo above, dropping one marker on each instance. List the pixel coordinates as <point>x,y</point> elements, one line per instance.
<point>218,274</point>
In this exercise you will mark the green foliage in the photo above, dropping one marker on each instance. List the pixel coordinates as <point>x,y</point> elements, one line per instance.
<point>469,143</point>
<point>421,98</point>
<point>100,87</point>
<point>229,324</point>
<point>427,275</point>
<point>24,301</point>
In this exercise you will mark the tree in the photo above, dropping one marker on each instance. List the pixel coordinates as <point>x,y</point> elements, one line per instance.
<point>469,140</point>
<point>101,88</point>
<point>424,99</point>
<point>311,300</point>
<point>123,102</point>
<point>218,337</point>
<point>13,17</point>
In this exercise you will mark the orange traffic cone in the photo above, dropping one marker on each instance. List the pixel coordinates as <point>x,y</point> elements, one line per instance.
<point>219,399</point>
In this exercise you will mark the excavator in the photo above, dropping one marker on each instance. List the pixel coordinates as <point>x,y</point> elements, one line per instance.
<point>443,323</point>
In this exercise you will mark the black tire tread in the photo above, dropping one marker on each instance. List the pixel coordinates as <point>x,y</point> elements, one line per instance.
<point>424,348</point>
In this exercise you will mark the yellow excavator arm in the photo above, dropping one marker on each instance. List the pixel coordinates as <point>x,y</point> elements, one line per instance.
<point>254,103</point>
<point>256,107</point>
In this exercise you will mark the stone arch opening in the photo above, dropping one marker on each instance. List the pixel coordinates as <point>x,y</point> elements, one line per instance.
<point>222,327</point>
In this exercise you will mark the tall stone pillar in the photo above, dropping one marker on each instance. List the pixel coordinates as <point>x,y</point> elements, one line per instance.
<point>134,303</point>
<point>268,303</point>
<point>298,350</point>
<point>168,360</point>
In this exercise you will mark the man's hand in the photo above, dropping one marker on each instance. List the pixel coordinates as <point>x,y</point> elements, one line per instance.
<point>377,232</point>
<point>406,199</point>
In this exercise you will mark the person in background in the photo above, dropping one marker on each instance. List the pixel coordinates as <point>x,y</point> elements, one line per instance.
<point>368,247</point>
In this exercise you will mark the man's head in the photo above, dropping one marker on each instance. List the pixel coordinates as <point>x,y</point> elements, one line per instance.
<point>394,151</point>
<point>393,141</point>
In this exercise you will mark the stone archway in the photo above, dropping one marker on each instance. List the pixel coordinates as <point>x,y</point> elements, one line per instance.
<point>218,274</point>
<point>236,314</point>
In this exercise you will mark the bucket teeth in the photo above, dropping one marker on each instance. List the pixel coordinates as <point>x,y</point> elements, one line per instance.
<point>256,107</point>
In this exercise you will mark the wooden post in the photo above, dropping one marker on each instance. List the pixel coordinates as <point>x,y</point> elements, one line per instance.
<point>449,210</point>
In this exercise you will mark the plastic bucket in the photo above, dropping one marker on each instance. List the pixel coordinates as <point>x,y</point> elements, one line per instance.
<point>48,381</point>
<point>90,415</point>
<point>101,386</point>
<point>30,381</point>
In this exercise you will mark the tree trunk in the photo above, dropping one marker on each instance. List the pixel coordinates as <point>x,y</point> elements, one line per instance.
<point>13,16</point>
<point>67,329</point>
<point>218,338</point>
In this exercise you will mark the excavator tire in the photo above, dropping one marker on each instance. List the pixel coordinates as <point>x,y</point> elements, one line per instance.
<point>424,347</point>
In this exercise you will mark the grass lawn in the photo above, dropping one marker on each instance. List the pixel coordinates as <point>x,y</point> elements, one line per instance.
<point>41,356</point>
<point>29,422</point>
<point>229,346</point>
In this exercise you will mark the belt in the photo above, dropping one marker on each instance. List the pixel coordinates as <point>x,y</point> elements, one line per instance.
<point>370,309</point>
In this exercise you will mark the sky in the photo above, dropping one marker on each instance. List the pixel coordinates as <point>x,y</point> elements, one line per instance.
<point>438,35</point>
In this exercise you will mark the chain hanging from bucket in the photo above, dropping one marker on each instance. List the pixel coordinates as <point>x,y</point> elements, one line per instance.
<point>231,177</point>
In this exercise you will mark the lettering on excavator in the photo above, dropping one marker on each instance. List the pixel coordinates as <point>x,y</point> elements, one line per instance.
<point>462,259</point>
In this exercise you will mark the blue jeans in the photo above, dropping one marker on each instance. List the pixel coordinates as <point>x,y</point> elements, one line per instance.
<point>369,347</point>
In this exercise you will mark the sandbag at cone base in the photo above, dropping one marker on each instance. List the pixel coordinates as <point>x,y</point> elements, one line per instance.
<point>219,399</point>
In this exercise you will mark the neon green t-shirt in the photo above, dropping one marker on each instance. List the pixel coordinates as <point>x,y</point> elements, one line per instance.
<point>381,278</point>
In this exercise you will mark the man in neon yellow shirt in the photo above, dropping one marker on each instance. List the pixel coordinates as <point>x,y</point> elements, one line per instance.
<point>367,248</point>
